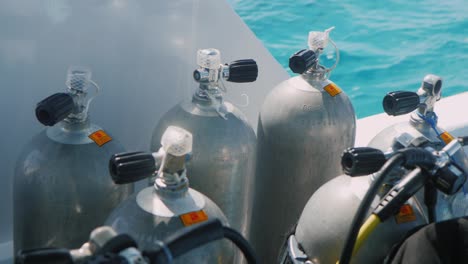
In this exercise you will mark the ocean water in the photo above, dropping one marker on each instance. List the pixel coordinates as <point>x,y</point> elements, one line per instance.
<point>384,45</point>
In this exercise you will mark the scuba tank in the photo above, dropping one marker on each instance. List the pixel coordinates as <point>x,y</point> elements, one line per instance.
<point>170,205</point>
<point>326,218</point>
<point>62,188</point>
<point>421,131</point>
<point>304,125</point>
<point>223,161</point>
<point>322,228</point>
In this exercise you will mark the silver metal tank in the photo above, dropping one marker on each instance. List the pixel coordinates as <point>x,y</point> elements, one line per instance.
<point>223,160</point>
<point>170,205</point>
<point>422,130</point>
<point>305,124</point>
<point>325,222</point>
<point>62,188</point>
<point>322,228</point>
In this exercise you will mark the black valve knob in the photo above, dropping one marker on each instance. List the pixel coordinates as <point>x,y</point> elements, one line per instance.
<point>44,255</point>
<point>130,167</point>
<point>400,102</point>
<point>54,108</point>
<point>241,71</point>
<point>302,60</point>
<point>362,161</point>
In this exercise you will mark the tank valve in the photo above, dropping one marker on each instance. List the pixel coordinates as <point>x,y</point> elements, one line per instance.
<point>73,105</point>
<point>211,70</point>
<point>362,161</point>
<point>404,102</point>
<point>130,167</point>
<point>307,60</point>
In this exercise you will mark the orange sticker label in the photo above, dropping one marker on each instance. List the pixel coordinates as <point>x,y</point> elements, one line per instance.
<point>193,217</point>
<point>332,89</point>
<point>100,137</point>
<point>406,214</point>
<point>446,137</point>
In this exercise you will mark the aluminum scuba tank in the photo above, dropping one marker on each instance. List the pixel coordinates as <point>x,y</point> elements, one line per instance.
<point>170,205</point>
<point>421,130</point>
<point>223,161</point>
<point>324,223</point>
<point>62,188</point>
<point>304,125</point>
<point>326,218</point>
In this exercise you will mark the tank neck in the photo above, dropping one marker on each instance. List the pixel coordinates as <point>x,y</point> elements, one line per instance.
<point>316,74</point>
<point>169,185</point>
<point>75,124</point>
<point>207,95</point>
<point>210,99</point>
<point>419,121</point>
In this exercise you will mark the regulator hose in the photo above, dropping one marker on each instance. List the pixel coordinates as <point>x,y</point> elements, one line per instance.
<point>395,161</point>
<point>190,238</point>
<point>174,246</point>
<point>241,243</point>
<point>408,157</point>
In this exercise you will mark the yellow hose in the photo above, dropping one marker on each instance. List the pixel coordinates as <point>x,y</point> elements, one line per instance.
<point>366,229</point>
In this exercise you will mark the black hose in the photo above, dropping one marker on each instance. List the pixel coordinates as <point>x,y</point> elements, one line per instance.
<point>190,238</point>
<point>241,243</point>
<point>359,217</point>
<point>430,199</point>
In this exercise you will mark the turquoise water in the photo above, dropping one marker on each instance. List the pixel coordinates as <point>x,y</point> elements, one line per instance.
<point>384,45</point>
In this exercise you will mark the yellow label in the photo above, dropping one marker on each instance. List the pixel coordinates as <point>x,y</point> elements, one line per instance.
<point>100,137</point>
<point>332,89</point>
<point>446,137</point>
<point>193,217</point>
<point>406,214</point>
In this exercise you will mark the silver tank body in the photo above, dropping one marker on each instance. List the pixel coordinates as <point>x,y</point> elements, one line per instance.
<point>416,130</point>
<point>140,217</point>
<point>62,187</point>
<point>327,216</point>
<point>223,160</point>
<point>302,131</point>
